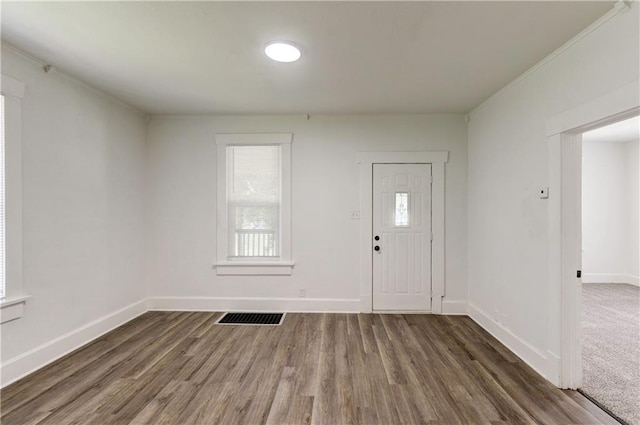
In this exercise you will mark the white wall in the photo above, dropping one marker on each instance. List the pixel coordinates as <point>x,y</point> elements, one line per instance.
<point>610,212</point>
<point>182,206</point>
<point>633,179</point>
<point>84,208</point>
<point>83,215</point>
<point>509,289</point>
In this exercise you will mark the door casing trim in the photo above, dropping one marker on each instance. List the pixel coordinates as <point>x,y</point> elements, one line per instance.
<point>564,143</point>
<point>437,159</point>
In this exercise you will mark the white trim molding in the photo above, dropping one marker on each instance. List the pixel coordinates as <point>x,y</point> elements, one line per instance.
<point>455,307</point>
<point>611,278</point>
<point>269,266</point>
<point>571,258</point>
<point>24,364</point>
<point>290,305</point>
<point>553,368</point>
<point>564,142</point>
<point>239,268</point>
<point>13,92</point>
<point>615,106</point>
<point>619,7</point>
<point>12,308</point>
<point>403,157</point>
<point>529,354</point>
<point>69,78</point>
<point>437,159</point>
<point>12,87</point>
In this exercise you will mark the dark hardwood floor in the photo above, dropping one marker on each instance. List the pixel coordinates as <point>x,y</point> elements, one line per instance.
<point>181,368</point>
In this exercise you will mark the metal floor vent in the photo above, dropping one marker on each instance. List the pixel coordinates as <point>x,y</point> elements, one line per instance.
<point>259,319</point>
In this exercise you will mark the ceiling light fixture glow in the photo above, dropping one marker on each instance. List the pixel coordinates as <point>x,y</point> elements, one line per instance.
<point>282,51</point>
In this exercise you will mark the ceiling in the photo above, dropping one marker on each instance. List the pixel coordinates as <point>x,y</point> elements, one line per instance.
<point>620,132</point>
<point>357,57</point>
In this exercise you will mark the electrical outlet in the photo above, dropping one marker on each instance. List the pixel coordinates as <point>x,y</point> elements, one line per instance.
<point>355,215</point>
<point>303,293</point>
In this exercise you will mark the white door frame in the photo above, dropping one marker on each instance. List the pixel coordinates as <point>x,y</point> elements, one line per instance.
<point>564,137</point>
<point>437,159</point>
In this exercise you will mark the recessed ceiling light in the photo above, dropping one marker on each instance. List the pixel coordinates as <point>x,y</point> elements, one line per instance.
<point>282,51</point>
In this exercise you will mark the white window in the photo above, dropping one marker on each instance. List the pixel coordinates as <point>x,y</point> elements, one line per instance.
<point>253,201</point>
<point>13,296</point>
<point>254,204</point>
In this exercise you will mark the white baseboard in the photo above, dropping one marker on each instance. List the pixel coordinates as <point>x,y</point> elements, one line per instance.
<point>366,303</point>
<point>454,307</point>
<point>611,278</point>
<point>292,305</point>
<point>553,368</point>
<point>24,364</point>
<point>530,355</point>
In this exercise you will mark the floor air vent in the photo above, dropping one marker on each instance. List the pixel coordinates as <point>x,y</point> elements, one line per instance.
<point>265,319</point>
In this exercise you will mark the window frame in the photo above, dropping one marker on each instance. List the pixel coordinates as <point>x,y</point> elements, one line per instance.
<point>12,306</point>
<point>281,265</point>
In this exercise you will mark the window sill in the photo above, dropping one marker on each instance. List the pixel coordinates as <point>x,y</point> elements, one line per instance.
<point>262,268</point>
<point>12,308</point>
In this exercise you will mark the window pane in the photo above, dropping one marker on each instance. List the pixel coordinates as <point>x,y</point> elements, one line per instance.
<point>402,209</point>
<point>255,232</point>
<point>254,201</point>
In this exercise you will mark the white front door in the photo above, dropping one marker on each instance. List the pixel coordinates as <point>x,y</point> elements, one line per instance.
<point>401,244</point>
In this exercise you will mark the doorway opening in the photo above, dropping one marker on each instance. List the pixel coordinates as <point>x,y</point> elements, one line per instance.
<point>610,287</point>
<point>564,136</point>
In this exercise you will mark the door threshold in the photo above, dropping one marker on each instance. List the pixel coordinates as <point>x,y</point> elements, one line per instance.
<point>602,407</point>
<point>401,311</point>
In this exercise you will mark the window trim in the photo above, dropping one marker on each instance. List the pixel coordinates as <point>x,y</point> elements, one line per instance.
<point>12,306</point>
<point>282,265</point>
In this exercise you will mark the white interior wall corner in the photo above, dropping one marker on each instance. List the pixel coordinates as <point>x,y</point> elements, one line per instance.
<point>83,210</point>
<point>510,157</point>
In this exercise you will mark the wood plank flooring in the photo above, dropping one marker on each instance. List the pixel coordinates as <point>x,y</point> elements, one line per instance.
<point>181,368</point>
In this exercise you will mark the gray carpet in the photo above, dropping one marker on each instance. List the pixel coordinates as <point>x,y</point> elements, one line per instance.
<point>611,347</point>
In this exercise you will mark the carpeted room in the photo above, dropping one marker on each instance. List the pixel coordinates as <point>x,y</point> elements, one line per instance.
<point>610,291</point>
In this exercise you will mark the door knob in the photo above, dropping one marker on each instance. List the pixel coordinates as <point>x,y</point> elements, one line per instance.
<point>377,248</point>
<point>377,238</point>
